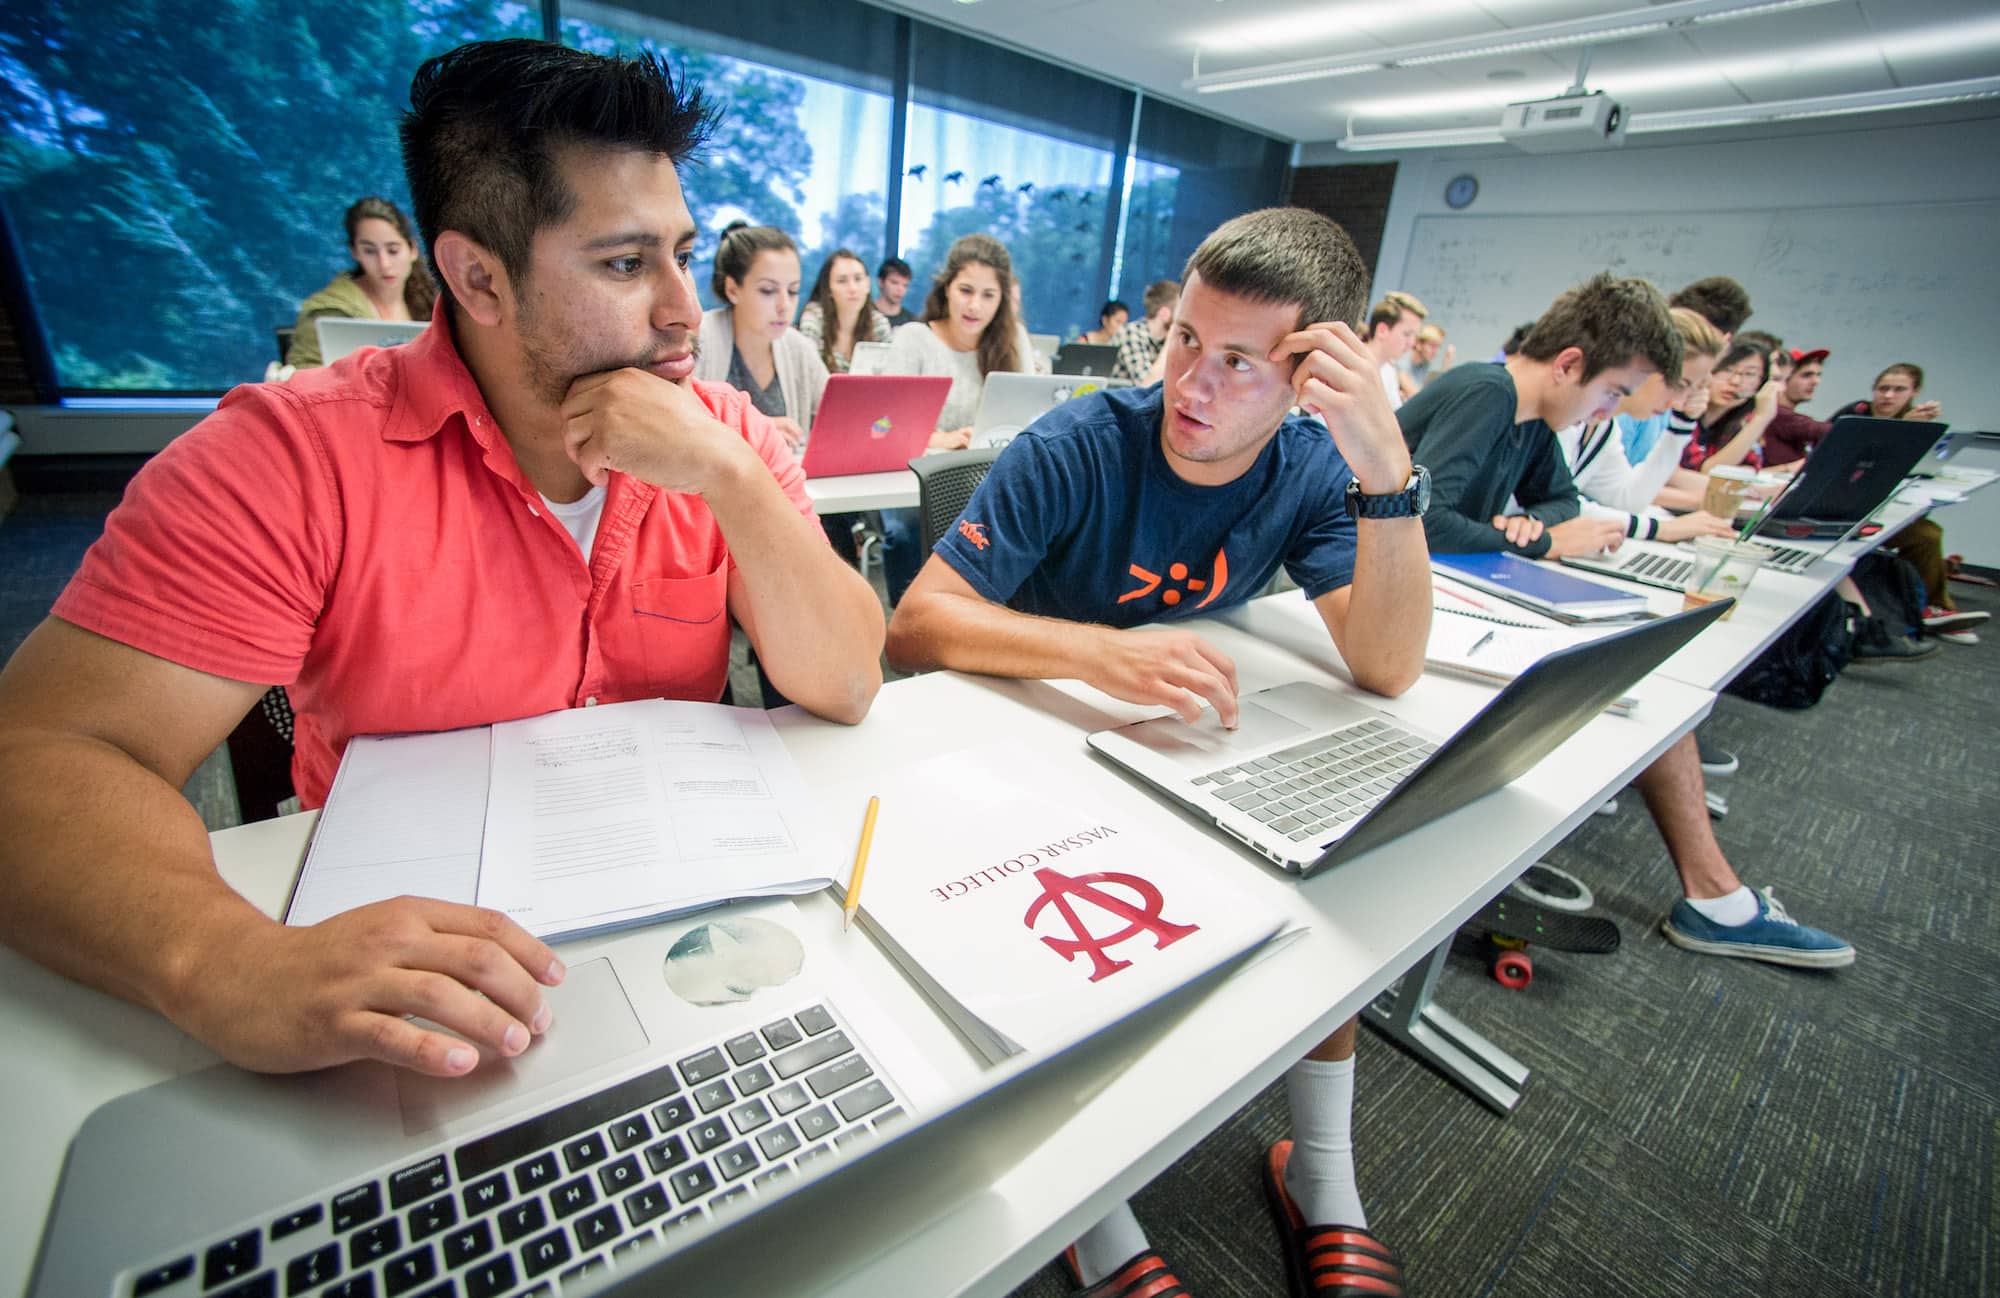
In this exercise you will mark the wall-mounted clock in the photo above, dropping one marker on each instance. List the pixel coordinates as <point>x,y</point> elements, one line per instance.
<point>1458,195</point>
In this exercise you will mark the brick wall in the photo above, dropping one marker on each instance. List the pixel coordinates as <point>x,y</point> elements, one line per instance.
<point>1354,194</point>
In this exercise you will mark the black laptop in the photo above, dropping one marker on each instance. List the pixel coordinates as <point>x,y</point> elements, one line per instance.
<point>1094,359</point>
<point>1858,464</point>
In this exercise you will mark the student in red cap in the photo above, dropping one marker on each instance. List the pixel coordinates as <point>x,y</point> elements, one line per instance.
<point>1792,435</point>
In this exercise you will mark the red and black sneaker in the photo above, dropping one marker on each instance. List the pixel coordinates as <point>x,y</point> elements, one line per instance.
<point>1326,1261</point>
<point>1144,1275</point>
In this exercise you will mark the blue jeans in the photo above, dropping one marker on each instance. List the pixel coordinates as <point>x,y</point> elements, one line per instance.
<point>902,550</point>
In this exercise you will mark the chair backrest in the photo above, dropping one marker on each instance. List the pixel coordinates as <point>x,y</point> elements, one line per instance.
<point>284,333</point>
<point>260,756</point>
<point>944,483</point>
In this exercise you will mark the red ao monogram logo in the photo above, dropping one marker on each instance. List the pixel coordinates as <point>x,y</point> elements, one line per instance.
<point>1144,916</point>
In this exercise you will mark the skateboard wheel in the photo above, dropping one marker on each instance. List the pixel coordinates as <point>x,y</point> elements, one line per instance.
<point>1513,969</point>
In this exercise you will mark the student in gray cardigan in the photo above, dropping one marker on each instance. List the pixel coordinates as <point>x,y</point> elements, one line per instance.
<point>750,343</point>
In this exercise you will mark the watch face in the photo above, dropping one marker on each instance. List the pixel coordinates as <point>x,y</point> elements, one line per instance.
<point>1461,191</point>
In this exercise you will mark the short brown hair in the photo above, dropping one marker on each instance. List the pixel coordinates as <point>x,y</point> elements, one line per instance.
<point>1718,299</point>
<point>1391,309</point>
<point>1286,254</point>
<point>1611,320</point>
<point>1159,293</point>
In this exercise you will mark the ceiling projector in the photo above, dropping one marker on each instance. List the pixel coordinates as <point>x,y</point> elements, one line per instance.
<point>1566,124</point>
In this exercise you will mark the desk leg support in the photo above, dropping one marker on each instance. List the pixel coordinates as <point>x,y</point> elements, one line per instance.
<point>1408,1017</point>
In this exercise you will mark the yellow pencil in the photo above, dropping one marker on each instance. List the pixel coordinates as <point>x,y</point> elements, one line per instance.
<point>860,865</point>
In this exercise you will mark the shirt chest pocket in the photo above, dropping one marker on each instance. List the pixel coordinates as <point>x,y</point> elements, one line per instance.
<point>670,639</point>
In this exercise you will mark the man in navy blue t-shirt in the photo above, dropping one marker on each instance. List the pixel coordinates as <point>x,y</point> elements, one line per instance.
<point>1172,502</point>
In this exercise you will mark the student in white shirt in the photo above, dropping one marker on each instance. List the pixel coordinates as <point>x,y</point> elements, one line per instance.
<point>1392,328</point>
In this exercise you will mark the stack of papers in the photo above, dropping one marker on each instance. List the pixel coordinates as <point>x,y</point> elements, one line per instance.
<point>1478,649</point>
<point>574,822</point>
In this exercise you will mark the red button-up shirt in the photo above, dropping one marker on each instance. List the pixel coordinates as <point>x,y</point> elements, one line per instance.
<point>364,537</point>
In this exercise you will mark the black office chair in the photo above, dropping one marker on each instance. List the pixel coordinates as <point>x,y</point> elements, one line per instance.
<point>944,483</point>
<point>284,333</point>
<point>260,756</point>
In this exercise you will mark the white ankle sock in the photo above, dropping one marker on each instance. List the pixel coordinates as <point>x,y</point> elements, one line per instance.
<point>1109,1245</point>
<point>1731,909</point>
<point>1320,1177</point>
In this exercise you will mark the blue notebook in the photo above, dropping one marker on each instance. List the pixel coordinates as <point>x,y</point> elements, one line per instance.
<point>1540,586</point>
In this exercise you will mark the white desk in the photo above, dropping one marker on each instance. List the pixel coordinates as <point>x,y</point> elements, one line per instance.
<point>857,491</point>
<point>1102,1123</point>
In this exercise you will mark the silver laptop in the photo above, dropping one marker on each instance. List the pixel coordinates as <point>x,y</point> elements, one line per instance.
<point>1045,345</point>
<point>695,1071</point>
<point>1313,776</point>
<point>1010,402</point>
<point>340,337</point>
<point>1669,566</point>
<point>869,358</point>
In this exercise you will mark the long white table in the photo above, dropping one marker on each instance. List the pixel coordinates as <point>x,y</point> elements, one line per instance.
<point>857,491</point>
<point>1020,1175</point>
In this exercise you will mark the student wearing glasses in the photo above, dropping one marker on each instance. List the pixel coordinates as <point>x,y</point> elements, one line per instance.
<point>1742,400</point>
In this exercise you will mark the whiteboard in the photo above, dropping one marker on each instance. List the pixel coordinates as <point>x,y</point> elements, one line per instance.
<point>1875,284</point>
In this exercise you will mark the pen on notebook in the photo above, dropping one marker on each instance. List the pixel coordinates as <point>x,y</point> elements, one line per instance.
<point>860,865</point>
<point>1479,644</point>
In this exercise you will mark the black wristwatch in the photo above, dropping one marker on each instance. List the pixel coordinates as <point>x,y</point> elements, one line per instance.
<point>1410,502</point>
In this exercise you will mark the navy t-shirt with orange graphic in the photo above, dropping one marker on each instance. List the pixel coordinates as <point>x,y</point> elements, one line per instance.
<point>1081,518</point>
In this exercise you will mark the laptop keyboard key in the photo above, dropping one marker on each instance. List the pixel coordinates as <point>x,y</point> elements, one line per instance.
<point>704,1066</point>
<point>576,1274</point>
<point>667,1155</point>
<point>691,1183</point>
<point>811,1055</point>
<point>789,1098</point>
<point>646,1203</point>
<point>709,1135</point>
<point>713,1096</point>
<point>373,1243</point>
<point>491,1279</point>
<point>815,1020</point>
<point>778,1141</point>
<point>545,1253</point>
<point>427,1219</point>
<point>862,1100</point>
<point>572,1197</point>
<point>579,1154</point>
<point>262,1285</point>
<point>461,1246</point>
<point>482,1195</point>
<point>161,1276</point>
<point>354,1286</point>
<point>749,1116</point>
<point>420,1182</point>
<point>404,1273</point>
<point>536,1173</point>
<point>782,1035</point>
<point>293,1222</point>
<point>816,1124</point>
<point>752,1080</point>
<point>596,1229</point>
<point>677,1112</point>
<point>361,1204</point>
<point>736,1161</point>
<point>232,1259</point>
<point>520,1219</point>
<point>488,1153</point>
<point>745,1048</point>
<point>618,1177</point>
<point>309,1271</point>
<point>627,1132</point>
<point>835,1077</point>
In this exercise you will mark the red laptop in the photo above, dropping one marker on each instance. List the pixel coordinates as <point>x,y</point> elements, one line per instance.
<point>873,423</point>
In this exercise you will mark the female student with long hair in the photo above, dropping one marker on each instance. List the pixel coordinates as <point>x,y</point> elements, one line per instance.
<point>968,331</point>
<point>1894,396</point>
<point>1742,400</point>
<point>749,342</point>
<point>388,280</point>
<point>839,314</point>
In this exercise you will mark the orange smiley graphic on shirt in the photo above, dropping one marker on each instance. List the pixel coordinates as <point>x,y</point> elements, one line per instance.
<point>1178,572</point>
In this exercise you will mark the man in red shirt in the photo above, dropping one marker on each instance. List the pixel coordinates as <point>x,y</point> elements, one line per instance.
<point>531,507</point>
<point>1791,435</point>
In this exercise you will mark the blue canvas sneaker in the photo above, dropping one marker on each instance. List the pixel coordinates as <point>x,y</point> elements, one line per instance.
<point>1773,936</point>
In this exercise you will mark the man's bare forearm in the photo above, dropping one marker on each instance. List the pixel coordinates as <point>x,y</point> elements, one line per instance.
<point>108,874</point>
<point>816,623</point>
<point>1388,606</point>
<point>946,630</point>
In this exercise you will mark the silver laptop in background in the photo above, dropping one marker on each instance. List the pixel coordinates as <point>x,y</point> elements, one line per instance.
<point>695,1070</point>
<point>1313,776</point>
<point>869,358</point>
<point>1669,566</point>
<point>340,337</point>
<point>1010,402</point>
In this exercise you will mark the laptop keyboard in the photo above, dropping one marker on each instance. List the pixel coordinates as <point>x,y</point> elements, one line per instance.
<point>1674,570</point>
<point>565,1193</point>
<point>1323,783</point>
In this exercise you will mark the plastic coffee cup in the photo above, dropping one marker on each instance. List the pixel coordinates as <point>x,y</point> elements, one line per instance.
<point>1722,570</point>
<point>1724,488</point>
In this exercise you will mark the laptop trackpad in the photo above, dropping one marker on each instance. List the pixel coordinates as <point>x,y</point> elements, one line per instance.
<point>1206,744</point>
<point>594,1022</point>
